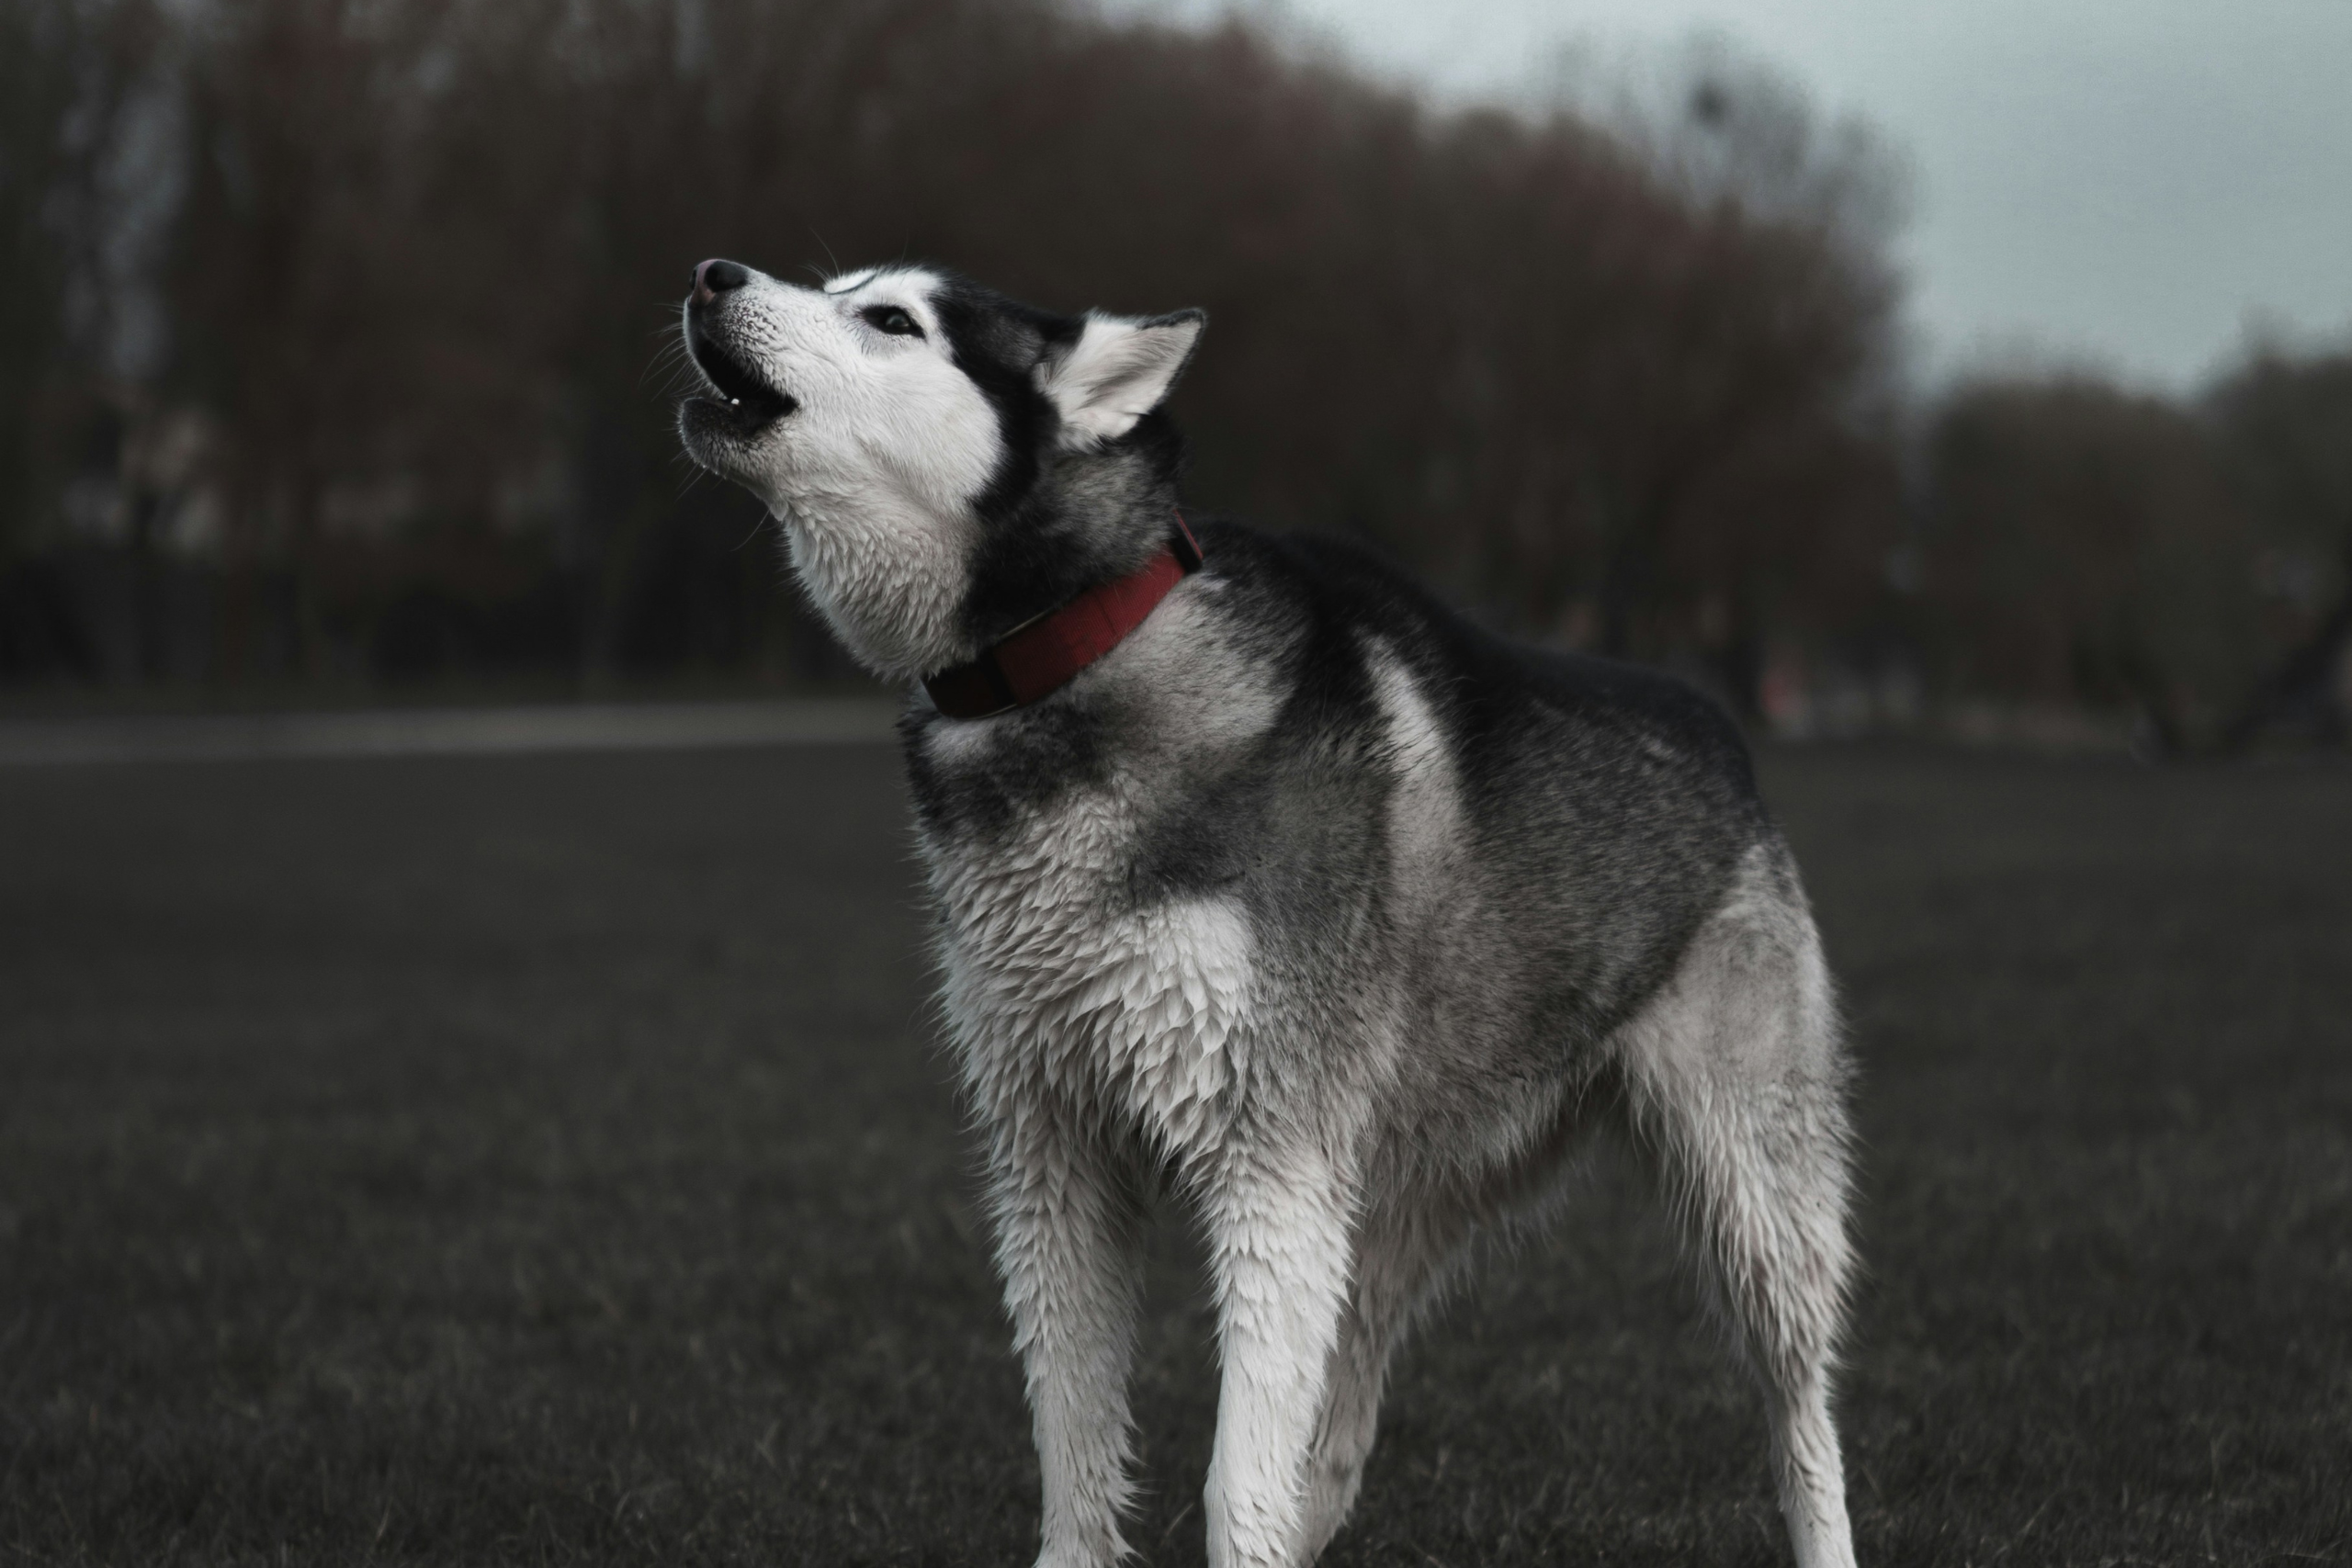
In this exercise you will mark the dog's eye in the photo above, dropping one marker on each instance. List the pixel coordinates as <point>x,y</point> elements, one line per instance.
<point>892,319</point>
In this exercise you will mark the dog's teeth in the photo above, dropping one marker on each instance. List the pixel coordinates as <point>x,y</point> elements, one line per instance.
<point>735,402</point>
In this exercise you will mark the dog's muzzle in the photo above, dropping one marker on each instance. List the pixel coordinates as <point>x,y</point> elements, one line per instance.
<point>745,401</point>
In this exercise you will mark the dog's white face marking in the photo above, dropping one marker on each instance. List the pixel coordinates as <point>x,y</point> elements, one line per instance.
<point>845,409</point>
<point>875,466</point>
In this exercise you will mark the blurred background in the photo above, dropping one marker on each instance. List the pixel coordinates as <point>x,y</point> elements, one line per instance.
<point>333,370</point>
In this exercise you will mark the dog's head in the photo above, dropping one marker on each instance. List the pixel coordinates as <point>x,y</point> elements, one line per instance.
<point>947,462</point>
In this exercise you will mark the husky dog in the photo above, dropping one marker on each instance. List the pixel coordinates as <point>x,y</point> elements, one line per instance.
<point>1261,875</point>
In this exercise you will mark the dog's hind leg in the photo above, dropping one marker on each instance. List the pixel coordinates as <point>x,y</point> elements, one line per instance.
<point>1738,1082</point>
<point>1066,1220</point>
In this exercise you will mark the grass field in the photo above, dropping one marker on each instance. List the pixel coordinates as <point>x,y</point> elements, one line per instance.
<point>543,1160</point>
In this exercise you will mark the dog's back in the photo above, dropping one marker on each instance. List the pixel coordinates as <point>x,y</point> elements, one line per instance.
<point>1533,835</point>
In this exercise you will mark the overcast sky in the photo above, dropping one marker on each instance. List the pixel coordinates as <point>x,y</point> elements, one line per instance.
<point>2125,184</point>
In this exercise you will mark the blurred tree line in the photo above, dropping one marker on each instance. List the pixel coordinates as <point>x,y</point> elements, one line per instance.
<point>2187,562</point>
<point>332,339</point>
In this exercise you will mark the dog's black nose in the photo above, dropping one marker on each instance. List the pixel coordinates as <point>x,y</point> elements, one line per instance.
<point>715,278</point>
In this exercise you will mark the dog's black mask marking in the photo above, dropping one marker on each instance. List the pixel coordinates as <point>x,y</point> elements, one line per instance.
<point>1031,558</point>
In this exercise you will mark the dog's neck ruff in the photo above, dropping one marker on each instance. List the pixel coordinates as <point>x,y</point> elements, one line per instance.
<point>1040,656</point>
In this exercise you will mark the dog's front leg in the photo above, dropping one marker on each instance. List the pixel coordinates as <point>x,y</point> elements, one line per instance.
<point>1066,1243</point>
<point>1278,1230</point>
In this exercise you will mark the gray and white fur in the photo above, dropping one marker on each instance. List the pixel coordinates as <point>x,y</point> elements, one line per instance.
<point>1311,902</point>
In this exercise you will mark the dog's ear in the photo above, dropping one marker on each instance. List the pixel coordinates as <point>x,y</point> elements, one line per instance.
<point>1117,371</point>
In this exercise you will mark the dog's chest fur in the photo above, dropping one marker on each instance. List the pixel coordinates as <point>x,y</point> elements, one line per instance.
<point>1070,977</point>
<point>1060,987</point>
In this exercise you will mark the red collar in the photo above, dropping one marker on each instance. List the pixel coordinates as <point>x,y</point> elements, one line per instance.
<point>1039,656</point>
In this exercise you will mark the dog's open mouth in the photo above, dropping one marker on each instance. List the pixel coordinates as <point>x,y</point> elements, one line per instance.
<point>739,394</point>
